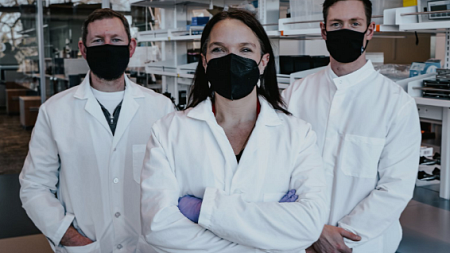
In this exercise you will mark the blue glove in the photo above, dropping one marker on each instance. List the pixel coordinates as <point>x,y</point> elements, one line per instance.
<point>190,207</point>
<point>289,197</point>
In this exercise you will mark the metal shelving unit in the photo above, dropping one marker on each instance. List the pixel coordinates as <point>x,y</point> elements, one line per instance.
<point>174,38</point>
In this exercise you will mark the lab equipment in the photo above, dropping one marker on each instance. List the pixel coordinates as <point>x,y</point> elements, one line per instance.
<point>427,6</point>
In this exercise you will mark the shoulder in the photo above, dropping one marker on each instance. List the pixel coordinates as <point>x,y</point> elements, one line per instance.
<point>153,100</point>
<point>60,100</point>
<point>151,94</point>
<point>305,82</point>
<point>393,91</point>
<point>171,120</point>
<point>294,124</point>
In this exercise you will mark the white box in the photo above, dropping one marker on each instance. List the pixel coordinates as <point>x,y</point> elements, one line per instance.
<point>426,151</point>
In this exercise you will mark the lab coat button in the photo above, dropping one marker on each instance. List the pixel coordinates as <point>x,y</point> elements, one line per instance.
<point>119,246</point>
<point>116,180</point>
<point>117,215</point>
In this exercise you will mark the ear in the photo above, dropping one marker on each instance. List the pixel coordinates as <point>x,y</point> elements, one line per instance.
<point>82,48</point>
<point>264,61</point>
<point>323,29</point>
<point>205,64</point>
<point>370,31</point>
<point>132,47</point>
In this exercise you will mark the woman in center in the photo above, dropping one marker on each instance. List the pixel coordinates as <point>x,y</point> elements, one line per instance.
<point>235,172</point>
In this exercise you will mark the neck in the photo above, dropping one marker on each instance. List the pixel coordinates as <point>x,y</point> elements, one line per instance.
<point>237,111</point>
<point>342,69</point>
<point>107,86</point>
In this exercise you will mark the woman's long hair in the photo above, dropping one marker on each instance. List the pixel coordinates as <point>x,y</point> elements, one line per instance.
<point>269,86</point>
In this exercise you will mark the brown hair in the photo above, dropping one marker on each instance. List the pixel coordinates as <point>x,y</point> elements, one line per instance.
<point>367,8</point>
<point>269,85</point>
<point>100,14</point>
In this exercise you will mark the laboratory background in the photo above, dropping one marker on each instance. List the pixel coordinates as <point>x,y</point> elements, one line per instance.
<point>39,58</point>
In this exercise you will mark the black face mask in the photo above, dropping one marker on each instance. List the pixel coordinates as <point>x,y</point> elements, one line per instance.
<point>107,61</point>
<point>232,76</point>
<point>345,45</point>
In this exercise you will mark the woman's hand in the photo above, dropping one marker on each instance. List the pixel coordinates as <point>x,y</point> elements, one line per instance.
<point>190,207</point>
<point>290,196</point>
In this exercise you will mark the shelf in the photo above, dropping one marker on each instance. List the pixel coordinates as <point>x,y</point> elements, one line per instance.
<point>183,70</point>
<point>432,102</point>
<point>153,36</point>
<point>398,20</point>
<point>273,33</point>
<point>438,25</point>
<point>291,30</point>
<point>164,68</point>
<point>283,81</point>
<point>169,3</point>
<point>301,32</point>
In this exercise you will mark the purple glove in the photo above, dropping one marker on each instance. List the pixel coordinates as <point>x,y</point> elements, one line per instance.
<point>190,207</point>
<point>289,197</point>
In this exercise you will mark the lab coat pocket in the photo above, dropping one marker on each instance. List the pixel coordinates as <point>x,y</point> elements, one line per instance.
<point>360,156</point>
<point>138,161</point>
<point>90,248</point>
<point>273,197</point>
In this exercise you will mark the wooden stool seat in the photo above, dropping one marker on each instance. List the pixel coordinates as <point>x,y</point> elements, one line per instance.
<point>29,108</point>
<point>12,100</point>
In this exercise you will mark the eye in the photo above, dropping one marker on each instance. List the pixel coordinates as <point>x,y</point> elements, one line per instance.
<point>356,24</point>
<point>217,50</point>
<point>246,50</point>
<point>97,40</point>
<point>335,24</point>
<point>116,40</point>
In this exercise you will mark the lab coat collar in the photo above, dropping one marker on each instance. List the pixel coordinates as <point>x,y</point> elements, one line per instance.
<point>127,112</point>
<point>351,79</point>
<point>268,116</point>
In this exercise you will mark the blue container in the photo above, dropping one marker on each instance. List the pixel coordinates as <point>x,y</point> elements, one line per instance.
<point>196,21</point>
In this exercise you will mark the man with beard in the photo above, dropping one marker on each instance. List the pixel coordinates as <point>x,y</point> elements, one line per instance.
<point>81,178</point>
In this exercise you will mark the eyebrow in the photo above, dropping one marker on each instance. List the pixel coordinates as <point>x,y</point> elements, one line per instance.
<point>101,35</point>
<point>352,19</point>
<point>240,44</point>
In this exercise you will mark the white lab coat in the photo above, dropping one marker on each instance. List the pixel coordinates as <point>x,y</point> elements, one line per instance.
<point>369,133</point>
<point>95,175</point>
<point>189,154</point>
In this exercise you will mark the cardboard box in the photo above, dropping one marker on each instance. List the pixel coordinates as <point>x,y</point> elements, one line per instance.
<point>407,3</point>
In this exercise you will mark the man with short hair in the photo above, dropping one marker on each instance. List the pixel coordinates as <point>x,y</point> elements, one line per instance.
<point>368,130</point>
<point>81,178</point>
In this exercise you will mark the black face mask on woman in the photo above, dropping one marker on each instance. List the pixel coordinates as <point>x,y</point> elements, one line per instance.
<point>345,45</point>
<point>108,61</point>
<point>232,76</point>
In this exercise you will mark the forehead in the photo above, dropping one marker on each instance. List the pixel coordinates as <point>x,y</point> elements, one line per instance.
<point>231,32</point>
<point>106,26</point>
<point>347,10</point>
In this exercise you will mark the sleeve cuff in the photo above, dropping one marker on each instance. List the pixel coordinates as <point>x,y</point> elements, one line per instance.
<point>68,219</point>
<point>204,219</point>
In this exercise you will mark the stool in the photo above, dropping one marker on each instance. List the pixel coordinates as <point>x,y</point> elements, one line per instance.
<point>29,108</point>
<point>12,100</point>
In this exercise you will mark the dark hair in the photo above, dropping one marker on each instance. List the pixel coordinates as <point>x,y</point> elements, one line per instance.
<point>367,7</point>
<point>269,86</point>
<point>100,14</point>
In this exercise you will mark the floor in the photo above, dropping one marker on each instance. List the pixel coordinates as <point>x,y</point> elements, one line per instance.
<point>13,143</point>
<point>425,221</point>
